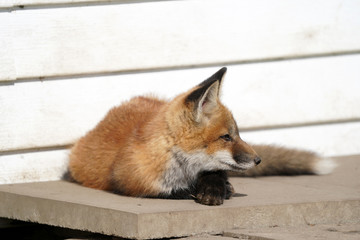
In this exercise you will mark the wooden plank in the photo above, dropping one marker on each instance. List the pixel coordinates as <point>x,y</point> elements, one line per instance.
<point>33,167</point>
<point>171,34</point>
<point>26,3</point>
<point>7,64</point>
<point>55,113</point>
<point>329,140</point>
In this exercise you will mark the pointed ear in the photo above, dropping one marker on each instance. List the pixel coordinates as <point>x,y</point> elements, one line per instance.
<point>218,76</point>
<point>204,99</point>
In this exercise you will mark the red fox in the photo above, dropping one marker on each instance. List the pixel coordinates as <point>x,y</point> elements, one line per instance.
<point>180,149</point>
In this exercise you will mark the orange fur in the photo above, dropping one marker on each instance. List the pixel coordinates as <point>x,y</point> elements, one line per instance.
<point>133,149</point>
<point>117,141</point>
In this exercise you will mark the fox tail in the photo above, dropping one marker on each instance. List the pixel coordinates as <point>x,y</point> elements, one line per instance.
<point>286,161</point>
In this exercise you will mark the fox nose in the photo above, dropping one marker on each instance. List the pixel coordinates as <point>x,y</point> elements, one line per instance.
<point>257,160</point>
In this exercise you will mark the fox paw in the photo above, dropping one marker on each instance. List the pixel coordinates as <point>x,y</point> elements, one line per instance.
<point>212,189</point>
<point>210,196</point>
<point>229,190</point>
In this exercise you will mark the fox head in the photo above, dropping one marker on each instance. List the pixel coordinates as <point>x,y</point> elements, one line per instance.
<point>207,136</point>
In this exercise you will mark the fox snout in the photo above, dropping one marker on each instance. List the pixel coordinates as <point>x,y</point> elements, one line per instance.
<point>240,158</point>
<point>244,153</point>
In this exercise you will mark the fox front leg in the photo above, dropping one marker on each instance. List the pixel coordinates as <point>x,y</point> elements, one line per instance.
<point>212,188</point>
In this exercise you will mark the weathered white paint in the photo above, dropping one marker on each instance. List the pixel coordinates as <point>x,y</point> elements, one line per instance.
<point>164,34</point>
<point>55,113</point>
<point>33,167</point>
<point>7,65</point>
<point>328,140</point>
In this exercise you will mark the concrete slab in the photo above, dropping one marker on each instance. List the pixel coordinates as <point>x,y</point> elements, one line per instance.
<point>260,202</point>
<point>319,232</point>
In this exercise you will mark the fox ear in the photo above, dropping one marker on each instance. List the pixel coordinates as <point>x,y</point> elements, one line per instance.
<point>205,98</point>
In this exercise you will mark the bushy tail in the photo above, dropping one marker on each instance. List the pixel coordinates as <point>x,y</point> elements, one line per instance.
<point>285,161</point>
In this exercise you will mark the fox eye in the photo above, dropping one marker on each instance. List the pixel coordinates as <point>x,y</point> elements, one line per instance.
<point>226,137</point>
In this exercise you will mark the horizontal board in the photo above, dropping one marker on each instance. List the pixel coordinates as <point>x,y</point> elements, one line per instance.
<point>25,3</point>
<point>329,140</point>
<point>31,3</point>
<point>168,34</point>
<point>263,95</point>
<point>33,167</point>
<point>7,64</point>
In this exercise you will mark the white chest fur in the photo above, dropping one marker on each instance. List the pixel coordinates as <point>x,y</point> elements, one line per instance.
<point>184,168</point>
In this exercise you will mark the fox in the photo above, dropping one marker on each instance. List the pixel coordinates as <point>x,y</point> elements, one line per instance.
<point>183,148</point>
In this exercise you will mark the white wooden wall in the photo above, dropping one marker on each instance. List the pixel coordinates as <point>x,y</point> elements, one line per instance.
<point>293,70</point>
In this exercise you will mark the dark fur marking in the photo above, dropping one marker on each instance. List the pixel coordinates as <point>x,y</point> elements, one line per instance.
<point>212,188</point>
<point>179,194</point>
<point>196,95</point>
<point>68,177</point>
<point>215,77</point>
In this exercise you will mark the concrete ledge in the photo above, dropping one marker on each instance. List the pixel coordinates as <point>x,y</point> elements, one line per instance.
<point>325,232</point>
<point>260,202</point>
